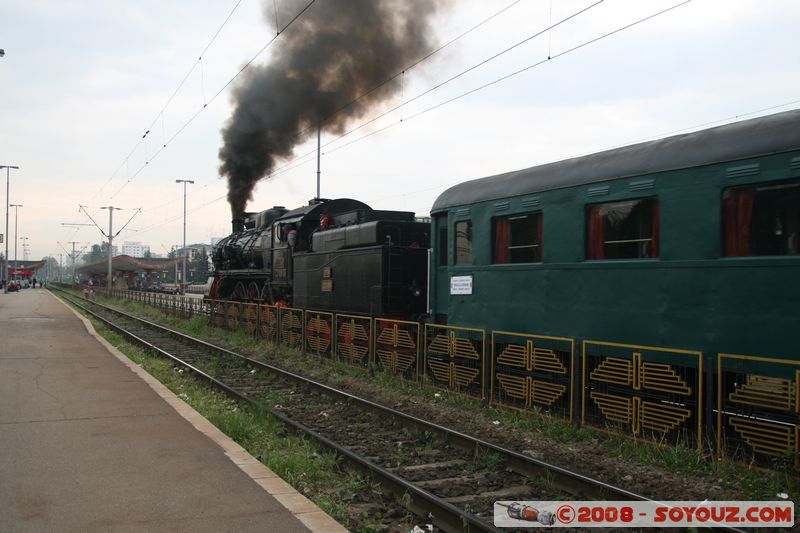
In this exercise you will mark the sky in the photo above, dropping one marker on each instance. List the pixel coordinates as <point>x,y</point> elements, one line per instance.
<point>82,81</point>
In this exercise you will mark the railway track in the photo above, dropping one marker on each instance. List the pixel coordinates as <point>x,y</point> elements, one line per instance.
<point>446,477</point>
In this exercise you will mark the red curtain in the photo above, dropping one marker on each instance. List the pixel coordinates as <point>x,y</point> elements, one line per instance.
<point>502,239</point>
<point>597,233</point>
<point>738,220</point>
<point>656,229</point>
<point>539,224</point>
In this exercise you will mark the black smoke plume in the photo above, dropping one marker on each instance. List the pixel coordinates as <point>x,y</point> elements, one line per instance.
<point>335,52</point>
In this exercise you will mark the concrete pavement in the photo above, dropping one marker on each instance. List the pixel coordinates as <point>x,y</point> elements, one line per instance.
<point>89,442</point>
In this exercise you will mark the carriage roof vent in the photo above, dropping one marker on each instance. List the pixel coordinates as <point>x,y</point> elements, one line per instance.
<point>743,170</point>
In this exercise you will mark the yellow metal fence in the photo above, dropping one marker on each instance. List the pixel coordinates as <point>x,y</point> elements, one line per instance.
<point>643,392</point>
<point>646,393</point>
<point>758,410</point>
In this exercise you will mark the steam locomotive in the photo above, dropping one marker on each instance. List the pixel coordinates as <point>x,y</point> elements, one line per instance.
<point>330,255</point>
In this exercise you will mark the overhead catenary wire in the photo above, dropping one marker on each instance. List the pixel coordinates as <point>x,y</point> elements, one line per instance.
<point>160,114</point>
<point>157,225</point>
<point>686,129</point>
<point>212,99</point>
<point>725,120</point>
<point>502,78</point>
<point>330,116</point>
<point>102,231</point>
<point>402,104</point>
<point>82,208</point>
<point>401,73</point>
<point>334,113</point>
<point>289,164</point>
<point>443,185</point>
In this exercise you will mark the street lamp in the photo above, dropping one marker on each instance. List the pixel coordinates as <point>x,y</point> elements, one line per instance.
<point>5,273</point>
<point>16,240</point>
<point>185,251</point>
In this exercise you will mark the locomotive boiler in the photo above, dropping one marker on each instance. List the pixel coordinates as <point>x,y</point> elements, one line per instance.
<point>330,255</point>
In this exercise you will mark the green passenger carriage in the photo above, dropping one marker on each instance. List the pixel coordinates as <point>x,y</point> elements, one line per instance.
<point>658,260</point>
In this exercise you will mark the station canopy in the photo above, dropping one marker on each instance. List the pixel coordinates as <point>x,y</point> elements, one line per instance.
<point>27,265</point>
<point>25,268</point>
<point>126,263</point>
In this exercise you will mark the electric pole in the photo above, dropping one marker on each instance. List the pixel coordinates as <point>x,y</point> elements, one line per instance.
<point>110,235</point>
<point>5,276</point>
<point>185,251</point>
<point>24,249</point>
<point>72,256</point>
<point>111,209</point>
<point>16,239</point>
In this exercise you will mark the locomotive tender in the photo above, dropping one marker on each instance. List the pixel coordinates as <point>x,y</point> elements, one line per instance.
<point>330,255</point>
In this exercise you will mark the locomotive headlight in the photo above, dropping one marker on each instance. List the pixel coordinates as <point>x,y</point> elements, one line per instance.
<point>416,291</point>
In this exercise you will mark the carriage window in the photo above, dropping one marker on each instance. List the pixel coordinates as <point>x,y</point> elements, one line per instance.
<point>623,230</point>
<point>464,242</point>
<point>762,220</point>
<point>517,239</point>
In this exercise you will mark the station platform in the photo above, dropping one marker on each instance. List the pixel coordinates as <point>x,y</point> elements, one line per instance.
<point>90,442</point>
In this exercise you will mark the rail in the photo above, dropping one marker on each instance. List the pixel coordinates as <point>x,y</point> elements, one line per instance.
<point>714,402</point>
<point>413,494</point>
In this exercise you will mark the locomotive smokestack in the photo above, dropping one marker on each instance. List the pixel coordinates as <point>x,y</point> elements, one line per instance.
<point>238,223</point>
<point>335,53</point>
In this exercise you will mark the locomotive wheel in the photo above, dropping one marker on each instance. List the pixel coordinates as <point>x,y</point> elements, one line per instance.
<point>266,294</point>
<point>225,289</point>
<point>253,293</point>
<point>239,292</point>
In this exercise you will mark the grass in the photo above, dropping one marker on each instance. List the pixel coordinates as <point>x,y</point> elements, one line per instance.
<point>387,388</point>
<point>486,458</point>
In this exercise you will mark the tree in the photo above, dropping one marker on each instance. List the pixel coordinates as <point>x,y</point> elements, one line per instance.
<point>170,273</point>
<point>97,253</point>
<point>198,266</point>
<point>51,268</point>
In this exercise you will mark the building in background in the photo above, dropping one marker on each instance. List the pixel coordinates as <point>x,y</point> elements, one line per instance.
<point>193,250</point>
<point>199,261</point>
<point>134,249</point>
